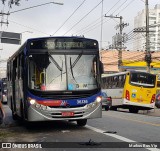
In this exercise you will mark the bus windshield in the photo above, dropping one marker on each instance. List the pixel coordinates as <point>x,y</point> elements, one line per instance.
<point>49,72</point>
<point>142,79</point>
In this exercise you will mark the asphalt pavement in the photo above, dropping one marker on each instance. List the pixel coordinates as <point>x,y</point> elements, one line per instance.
<point>153,112</point>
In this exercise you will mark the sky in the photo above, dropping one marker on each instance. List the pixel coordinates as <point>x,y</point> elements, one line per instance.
<point>78,17</point>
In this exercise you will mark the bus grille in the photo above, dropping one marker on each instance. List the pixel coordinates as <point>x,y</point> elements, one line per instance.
<point>59,114</point>
<point>67,106</point>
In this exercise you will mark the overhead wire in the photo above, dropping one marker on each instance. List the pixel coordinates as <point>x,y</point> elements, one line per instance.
<point>29,27</point>
<point>91,24</point>
<point>125,7</point>
<point>68,18</point>
<point>83,17</point>
<point>107,20</point>
<point>30,8</point>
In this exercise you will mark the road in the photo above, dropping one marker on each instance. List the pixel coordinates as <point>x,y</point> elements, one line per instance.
<point>116,130</point>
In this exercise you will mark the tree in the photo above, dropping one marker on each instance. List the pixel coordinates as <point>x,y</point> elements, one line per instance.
<point>11,2</point>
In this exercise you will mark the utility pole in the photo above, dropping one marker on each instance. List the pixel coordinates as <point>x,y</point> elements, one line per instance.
<point>2,14</point>
<point>148,54</point>
<point>148,57</point>
<point>119,39</point>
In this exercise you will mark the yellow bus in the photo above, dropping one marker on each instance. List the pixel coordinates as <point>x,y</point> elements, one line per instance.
<point>158,86</point>
<point>133,90</point>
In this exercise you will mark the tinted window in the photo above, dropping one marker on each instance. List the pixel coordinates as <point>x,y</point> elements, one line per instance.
<point>142,79</point>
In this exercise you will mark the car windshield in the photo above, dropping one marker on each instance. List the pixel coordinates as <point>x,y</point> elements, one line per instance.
<point>48,72</point>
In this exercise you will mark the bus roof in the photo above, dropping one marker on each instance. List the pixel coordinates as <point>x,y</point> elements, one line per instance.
<point>76,37</point>
<point>43,38</point>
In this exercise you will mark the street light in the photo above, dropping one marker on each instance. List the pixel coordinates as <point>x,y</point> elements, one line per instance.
<point>36,6</point>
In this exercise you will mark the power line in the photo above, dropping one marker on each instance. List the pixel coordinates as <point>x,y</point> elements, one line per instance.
<point>126,7</point>
<point>83,17</point>
<point>91,24</point>
<point>69,17</point>
<point>107,20</point>
<point>29,27</point>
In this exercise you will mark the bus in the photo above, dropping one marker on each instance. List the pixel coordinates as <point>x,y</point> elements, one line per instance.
<point>133,90</point>
<point>3,90</point>
<point>158,84</point>
<point>55,78</point>
<point>157,102</point>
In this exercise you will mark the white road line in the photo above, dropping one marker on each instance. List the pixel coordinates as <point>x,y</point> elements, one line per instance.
<point>118,137</point>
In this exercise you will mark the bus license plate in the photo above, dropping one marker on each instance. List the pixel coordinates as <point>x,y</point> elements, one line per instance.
<point>67,113</point>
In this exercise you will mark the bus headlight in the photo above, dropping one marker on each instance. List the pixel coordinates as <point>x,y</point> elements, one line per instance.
<point>32,101</point>
<point>98,99</point>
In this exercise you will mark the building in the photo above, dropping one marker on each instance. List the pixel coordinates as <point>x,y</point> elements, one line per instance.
<point>130,60</point>
<point>140,24</point>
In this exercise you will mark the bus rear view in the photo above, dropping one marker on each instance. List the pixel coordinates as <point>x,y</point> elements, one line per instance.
<point>140,91</point>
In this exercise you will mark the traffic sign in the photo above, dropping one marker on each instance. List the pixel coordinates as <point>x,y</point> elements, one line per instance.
<point>10,37</point>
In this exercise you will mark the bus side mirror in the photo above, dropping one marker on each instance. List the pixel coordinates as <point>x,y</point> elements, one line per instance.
<point>101,67</point>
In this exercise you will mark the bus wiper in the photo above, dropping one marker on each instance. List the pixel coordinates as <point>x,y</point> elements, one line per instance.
<point>61,71</point>
<point>56,64</point>
<point>72,69</point>
<point>77,59</point>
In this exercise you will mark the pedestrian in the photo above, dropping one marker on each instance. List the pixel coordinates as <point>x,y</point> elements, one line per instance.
<point>1,113</point>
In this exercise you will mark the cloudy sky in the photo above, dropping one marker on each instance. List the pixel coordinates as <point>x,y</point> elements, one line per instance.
<point>74,17</point>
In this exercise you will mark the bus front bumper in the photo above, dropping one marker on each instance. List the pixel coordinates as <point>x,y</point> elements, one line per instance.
<point>51,114</point>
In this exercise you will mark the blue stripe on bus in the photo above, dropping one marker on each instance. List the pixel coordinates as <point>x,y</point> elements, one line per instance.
<point>72,102</point>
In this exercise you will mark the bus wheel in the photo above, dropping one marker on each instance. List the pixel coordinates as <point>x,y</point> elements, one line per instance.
<point>133,110</point>
<point>82,122</point>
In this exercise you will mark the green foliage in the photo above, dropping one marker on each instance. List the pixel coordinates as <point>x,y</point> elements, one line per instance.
<point>11,2</point>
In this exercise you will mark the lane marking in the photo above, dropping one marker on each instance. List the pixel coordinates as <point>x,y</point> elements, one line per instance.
<point>153,124</point>
<point>118,137</point>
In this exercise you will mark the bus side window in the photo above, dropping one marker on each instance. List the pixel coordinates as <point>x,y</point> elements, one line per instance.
<point>107,82</point>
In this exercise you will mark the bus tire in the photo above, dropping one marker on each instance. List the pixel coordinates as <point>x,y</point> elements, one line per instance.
<point>133,110</point>
<point>82,122</point>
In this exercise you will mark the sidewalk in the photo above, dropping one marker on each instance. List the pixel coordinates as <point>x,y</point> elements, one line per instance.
<point>153,112</point>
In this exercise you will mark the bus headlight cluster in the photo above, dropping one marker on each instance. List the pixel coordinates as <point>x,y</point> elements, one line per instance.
<point>91,105</point>
<point>95,103</point>
<point>32,101</point>
<point>37,105</point>
<point>98,99</point>
<point>40,106</point>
